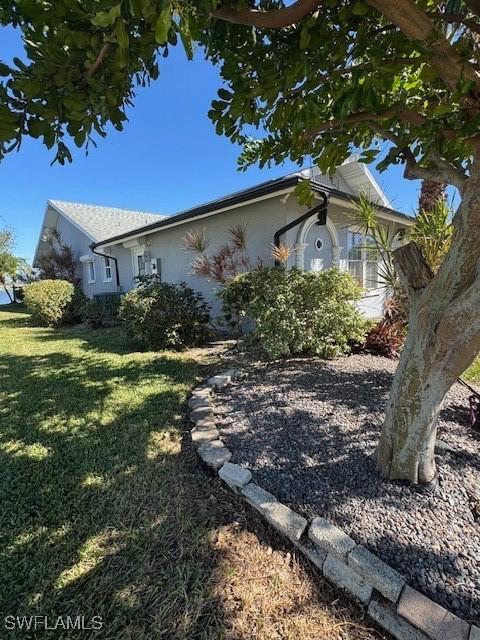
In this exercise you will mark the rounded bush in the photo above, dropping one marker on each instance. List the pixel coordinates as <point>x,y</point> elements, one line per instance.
<point>165,316</point>
<point>296,312</point>
<point>54,302</point>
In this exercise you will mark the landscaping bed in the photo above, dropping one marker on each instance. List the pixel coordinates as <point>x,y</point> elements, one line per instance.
<point>307,429</point>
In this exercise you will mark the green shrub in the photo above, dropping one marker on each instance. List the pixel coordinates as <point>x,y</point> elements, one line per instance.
<point>102,311</point>
<point>54,302</point>
<point>165,316</point>
<point>296,312</point>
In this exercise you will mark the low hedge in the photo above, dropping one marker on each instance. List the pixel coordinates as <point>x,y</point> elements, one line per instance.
<point>296,312</point>
<point>54,302</point>
<point>165,316</point>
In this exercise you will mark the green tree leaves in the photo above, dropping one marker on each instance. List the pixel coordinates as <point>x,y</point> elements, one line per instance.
<point>83,61</point>
<point>163,24</point>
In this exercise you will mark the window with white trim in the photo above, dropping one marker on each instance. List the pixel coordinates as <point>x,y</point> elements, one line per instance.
<point>141,265</point>
<point>107,269</point>
<point>91,274</point>
<point>363,260</point>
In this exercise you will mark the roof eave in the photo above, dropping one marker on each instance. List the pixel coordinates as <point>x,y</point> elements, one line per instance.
<point>270,188</point>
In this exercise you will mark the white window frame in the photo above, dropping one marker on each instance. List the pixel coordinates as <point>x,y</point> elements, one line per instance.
<point>363,260</point>
<point>135,255</point>
<point>107,269</point>
<point>90,264</point>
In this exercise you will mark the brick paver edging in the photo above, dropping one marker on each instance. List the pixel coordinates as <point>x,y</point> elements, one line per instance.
<point>402,611</point>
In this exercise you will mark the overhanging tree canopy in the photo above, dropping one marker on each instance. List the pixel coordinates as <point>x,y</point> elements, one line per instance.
<point>319,77</point>
<point>316,77</point>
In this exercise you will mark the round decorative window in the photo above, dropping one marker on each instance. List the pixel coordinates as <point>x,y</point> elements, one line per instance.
<point>318,244</point>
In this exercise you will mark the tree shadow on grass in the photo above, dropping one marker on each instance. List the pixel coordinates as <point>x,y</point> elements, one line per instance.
<point>102,514</point>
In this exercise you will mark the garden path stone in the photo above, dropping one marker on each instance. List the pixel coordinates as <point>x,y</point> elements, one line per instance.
<point>434,620</point>
<point>277,514</point>
<point>215,454</point>
<point>201,413</point>
<point>385,579</point>
<point>347,579</point>
<point>314,553</point>
<point>474,633</point>
<point>205,423</point>
<point>384,614</point>
<point>220,381</point>
<point>198,403</point>
<point>330,537</point>
<point>235,476</point>
<point>204,435</point>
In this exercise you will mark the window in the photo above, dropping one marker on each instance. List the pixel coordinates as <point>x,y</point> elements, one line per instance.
<point>91,272</point>
<point>107,269</point>
<point>363,260</point>
<point>141,265</point>
<point>318,244</point>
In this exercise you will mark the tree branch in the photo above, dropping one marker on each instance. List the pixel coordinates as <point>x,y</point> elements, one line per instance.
<point>363,66</point>
<point>416,25</point>
<point>273,19</point>
<point>412,268</point>
<point>456,18</point>
<point>442,172</point>
<point>408,115</point>
<point>354,118</point>
<point>104,51</point>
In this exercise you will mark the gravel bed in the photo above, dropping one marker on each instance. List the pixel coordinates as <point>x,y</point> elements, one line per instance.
<point>306,428</point>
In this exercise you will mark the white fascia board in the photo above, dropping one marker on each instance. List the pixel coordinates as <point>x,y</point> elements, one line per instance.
<point>136,242</point>
<point>384,215</point>
<point>143,232</point>
<point>358,171</point>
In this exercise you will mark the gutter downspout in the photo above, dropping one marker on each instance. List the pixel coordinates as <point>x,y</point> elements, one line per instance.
<point>103,255</point>
<point>320,209</point>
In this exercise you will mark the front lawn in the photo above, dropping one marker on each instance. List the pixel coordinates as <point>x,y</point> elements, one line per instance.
<point>106,512</point>
<point>473,374</point>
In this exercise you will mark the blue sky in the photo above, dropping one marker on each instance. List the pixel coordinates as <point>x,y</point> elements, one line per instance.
<point>168,157</point>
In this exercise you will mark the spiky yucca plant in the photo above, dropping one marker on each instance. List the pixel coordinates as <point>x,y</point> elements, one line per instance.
<point>281,253</point>
<point>385,240</point>
<point>230,260</point>
<point>433,232</point>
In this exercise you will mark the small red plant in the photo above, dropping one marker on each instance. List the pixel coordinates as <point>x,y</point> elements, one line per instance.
<point>387,336</point>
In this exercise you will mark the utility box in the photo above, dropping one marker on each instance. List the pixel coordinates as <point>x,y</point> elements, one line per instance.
<point>156,268</point>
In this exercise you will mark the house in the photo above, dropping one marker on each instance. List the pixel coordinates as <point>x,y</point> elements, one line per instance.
<point>115,245</point>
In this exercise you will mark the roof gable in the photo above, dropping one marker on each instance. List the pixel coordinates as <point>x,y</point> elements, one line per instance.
<point>99,222</point>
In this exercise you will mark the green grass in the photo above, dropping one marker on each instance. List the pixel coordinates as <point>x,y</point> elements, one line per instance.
<point>473,373</point>
<point>106,512</point>
<point>102,511</point>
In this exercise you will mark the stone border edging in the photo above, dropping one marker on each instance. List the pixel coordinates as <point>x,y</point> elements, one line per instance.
<point>395,606</point>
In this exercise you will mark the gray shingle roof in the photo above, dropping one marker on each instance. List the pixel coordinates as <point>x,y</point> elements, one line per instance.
<point>100,222</point>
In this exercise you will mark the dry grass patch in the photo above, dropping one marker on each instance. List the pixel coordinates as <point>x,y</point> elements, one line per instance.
<point>267,594</point>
